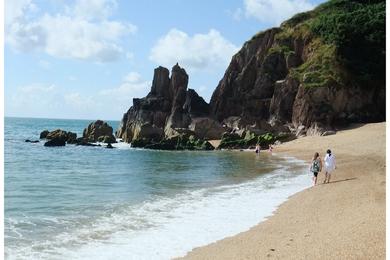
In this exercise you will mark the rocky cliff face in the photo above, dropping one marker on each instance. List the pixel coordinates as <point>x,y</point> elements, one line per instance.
<point>293,74</point>
<point>318,70</point>
<point>168,109</point>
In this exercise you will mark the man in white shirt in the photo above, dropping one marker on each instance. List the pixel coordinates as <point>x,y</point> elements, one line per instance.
<point>330,165</point>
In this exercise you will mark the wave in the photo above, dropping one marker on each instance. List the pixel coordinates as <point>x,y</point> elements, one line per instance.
<point>165,227</point>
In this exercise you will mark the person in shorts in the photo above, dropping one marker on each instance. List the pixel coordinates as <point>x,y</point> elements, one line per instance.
<point>315,167</point>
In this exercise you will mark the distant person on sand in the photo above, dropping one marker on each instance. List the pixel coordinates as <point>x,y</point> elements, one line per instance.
<point>270,148</point>
<point>257,150</point>
<point>330,165</point>
<point>315,167</point>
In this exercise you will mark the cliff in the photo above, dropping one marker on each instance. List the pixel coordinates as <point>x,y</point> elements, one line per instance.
<point>320,69</point>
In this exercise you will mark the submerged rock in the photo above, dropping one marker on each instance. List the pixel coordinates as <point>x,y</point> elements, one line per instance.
<point>31,141</point>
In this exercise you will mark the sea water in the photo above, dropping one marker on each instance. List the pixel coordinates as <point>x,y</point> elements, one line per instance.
<point>78,202</point>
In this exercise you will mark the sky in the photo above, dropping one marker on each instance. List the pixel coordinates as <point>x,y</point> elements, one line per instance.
<point>88,59</point>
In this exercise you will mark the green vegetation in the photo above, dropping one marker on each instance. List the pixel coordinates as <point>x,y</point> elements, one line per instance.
<point>234,141</point>
<point>180,142</point>
<point>346,37</point>
<point>321,68</point>
<point>280,49</point>
<point>357,29</point>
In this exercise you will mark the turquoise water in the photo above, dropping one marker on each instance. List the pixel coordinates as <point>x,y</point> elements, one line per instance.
<point>93,202</point>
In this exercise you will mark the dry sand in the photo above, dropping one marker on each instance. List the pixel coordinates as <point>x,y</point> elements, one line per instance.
<point>344,219</point>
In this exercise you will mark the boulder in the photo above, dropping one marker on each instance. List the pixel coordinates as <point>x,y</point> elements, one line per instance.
<point>56,141</point>
<point>71,138</point>
<point>97,129</point>
<point>58,134</point>
<point>140,143</point>
<point>107,139</point>
<point>43,134</point>
<point>109,146</point>
<point>206,128</point>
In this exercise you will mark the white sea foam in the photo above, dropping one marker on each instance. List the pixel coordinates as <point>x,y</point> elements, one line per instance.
<point>164,227</point>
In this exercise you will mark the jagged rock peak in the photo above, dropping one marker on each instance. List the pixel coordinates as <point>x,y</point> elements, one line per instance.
<point>160,85</point>
<point>179,80</point>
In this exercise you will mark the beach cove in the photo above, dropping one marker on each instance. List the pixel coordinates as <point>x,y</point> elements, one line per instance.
<point>344,219</point>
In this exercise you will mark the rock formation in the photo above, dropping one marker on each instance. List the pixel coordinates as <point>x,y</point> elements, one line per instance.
<point>166,112</point>
<point>99,131</point>
<point>65,136</point>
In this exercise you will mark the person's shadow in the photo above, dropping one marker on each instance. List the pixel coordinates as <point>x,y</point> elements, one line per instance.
<point>348,179</point>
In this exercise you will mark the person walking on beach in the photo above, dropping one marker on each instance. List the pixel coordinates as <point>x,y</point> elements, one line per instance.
<point>315,167</point>
<point>257,150</point>
<point>330,165</point>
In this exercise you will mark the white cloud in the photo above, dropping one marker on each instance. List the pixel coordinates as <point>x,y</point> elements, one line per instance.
<point>35,99</point>
<point>132,86</point>
<point>75,100</point>
<point>132,77</point>
<point>274,12</point>
<point>37,89</point>
<point>79,32</point>
<point>201,51</point>
<point>14,9</point>
<point>94,9</point>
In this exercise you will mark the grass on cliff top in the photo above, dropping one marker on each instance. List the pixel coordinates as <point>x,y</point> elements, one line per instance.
<point>353,36</point>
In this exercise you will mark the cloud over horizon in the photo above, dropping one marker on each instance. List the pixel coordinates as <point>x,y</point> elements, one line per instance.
<point>52,101</point>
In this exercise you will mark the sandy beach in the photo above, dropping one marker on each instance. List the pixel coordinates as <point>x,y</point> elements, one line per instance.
<point>344,219</point>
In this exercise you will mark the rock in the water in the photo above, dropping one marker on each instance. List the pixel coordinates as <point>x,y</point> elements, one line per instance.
<point>107,139</point>
<point>43,134</point>
<point>71,138</point>
<point>57,134</point>
<point>56,141</point>
<point>31,141</point>
<point>109,146</point>
<point>98,129</point>
<point>68,137</point>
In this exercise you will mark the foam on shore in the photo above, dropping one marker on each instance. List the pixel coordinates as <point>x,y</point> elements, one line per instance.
<point>167,227</point>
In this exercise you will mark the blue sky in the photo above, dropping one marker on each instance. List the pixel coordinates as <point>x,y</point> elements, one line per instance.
<point>87,59</point>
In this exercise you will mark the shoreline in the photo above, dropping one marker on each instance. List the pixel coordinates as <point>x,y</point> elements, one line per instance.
<point>343,219</point>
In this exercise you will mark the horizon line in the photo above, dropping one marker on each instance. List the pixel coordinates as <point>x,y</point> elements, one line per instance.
<point>29,117</point>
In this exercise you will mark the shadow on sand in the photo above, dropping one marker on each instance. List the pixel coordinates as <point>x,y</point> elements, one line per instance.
<point>348,179</point>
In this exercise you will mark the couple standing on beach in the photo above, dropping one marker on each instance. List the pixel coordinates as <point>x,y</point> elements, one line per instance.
<point>316,166</point>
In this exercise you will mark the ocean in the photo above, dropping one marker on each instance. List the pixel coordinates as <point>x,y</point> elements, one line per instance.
<point>78,202</point>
